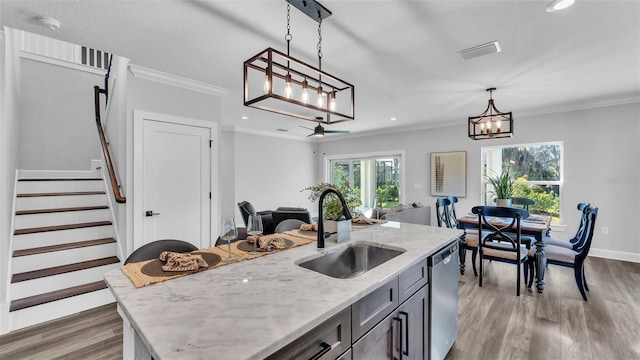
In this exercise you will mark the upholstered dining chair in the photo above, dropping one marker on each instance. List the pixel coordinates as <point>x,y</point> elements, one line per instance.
<point>153,249</point>
<point>289,224</point>
<point>562,256</point>
<point>502,240</point>
<point>573,243</point>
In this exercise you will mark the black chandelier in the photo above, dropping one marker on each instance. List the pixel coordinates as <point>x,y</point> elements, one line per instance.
<point>277,82</point>
<point>492,123</point>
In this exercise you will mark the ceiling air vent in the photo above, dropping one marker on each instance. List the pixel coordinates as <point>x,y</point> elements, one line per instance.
<point>480,50</point>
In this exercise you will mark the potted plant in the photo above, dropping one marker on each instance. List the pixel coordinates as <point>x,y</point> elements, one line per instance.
<point>332,208</point>
<point>503,187</point>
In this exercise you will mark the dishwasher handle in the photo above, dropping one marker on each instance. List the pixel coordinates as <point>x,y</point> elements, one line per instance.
<point>443,256</point>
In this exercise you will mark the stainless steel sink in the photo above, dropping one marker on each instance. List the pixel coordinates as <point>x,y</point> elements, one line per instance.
<point>352,260</point>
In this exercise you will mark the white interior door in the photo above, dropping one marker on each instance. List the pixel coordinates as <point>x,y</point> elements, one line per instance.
<point>176,182</point>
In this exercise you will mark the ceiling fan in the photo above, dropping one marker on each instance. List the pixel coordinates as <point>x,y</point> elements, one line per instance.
<point>319,131</point>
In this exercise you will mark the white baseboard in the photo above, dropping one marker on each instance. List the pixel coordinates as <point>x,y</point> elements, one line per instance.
<point>616,255</point>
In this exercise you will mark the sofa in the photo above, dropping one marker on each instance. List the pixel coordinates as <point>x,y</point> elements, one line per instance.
<point>414,213</point>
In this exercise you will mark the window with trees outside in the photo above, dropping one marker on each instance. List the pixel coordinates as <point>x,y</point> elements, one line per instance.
<point>376,180</point>
<point>537,170</point>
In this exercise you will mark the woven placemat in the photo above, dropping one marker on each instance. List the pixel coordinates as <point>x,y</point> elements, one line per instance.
<point>139,279</point>
<point>244,245</point>
<point>154,267</point>
<point>303,234</point>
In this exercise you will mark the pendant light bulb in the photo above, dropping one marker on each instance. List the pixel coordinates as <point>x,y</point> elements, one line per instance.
<point>332,101</point>
<point>319,101</point>
<point>305,91</point>
<point>267,84</point>
<point>287,86</point>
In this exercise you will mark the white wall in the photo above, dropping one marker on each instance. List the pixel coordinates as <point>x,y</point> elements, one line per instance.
<point>145,94</point>
<point>270,172</point>
<point>57,129</point>
<point>601,158</point>
<point>9,114</point>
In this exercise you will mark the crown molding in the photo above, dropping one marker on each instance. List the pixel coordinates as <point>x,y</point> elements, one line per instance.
<point>175,80</point>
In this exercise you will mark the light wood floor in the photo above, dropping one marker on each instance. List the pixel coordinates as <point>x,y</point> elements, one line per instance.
<point>496,324</point>
<point>493,322</point>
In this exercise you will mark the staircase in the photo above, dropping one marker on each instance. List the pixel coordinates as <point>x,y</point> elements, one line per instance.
<point>63,243</point>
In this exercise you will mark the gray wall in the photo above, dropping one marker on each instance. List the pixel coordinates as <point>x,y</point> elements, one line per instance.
<point>57,129</point>
<point>156,97</point>
<point>9,114</point>
<point>601,166</point>
<point>271,171</point>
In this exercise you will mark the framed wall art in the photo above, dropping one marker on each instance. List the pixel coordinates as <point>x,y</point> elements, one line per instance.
<point>449,173</point>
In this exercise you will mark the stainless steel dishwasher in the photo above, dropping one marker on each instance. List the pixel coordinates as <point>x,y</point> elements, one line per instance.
<point>443,300</point>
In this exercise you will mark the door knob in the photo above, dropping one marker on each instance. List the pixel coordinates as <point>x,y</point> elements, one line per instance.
<point>150,213</point>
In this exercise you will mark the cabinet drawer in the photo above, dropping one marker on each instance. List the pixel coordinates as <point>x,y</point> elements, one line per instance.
<point>335,332</point>
<point>412,279</point>
<point>368,311</point>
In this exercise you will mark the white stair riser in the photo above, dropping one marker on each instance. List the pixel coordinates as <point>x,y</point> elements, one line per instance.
<point>64,257</point>
<point>28,241</point>
<point>60,218</point>
<point>30,187</point>
<point>62,174</point>
<point>52,202</point>
<point>46,284</point>
<point>57,309</point>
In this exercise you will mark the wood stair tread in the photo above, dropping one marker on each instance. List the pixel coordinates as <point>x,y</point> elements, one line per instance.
<point>60,227</point>
<point>62,269</point>
<point>60,247</point>
<point>58,210</point>
<point>69,193</point>
<point>56,295</point>
<point>61,179</point>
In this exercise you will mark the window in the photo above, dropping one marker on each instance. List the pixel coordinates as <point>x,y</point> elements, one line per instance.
<point>376,179</point>
<point>537,169</point>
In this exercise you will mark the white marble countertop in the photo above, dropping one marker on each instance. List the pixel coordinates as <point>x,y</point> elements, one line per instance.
<point>250,309</point>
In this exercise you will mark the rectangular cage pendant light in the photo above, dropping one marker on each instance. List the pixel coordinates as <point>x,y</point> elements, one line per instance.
<point>276,82</point>
<point>492,123</point>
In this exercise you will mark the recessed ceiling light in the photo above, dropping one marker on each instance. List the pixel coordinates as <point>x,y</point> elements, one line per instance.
<point>244,117</point>
<point>49,22</point>
<point>556,5</point>
<point>393,119</point>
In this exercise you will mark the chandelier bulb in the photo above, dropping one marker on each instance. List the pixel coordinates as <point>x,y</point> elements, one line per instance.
<point>332,102</point>
<point>305,92</point>
<point>267,84</point>
<point>287,86</point>
<point>319,101</point>
<point>498,126</point>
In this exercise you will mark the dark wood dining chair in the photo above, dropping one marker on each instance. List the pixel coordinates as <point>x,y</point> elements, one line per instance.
<point>468,241</point>
<point>502,240</point>
<point>573,243</point>
<point>442,212</point>
<point>562,256</point>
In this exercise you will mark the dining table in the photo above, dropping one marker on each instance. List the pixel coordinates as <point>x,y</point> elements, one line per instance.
<point>536,226</point>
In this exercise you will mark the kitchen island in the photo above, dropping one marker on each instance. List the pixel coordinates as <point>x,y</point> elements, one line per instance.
<point>251,309</point>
